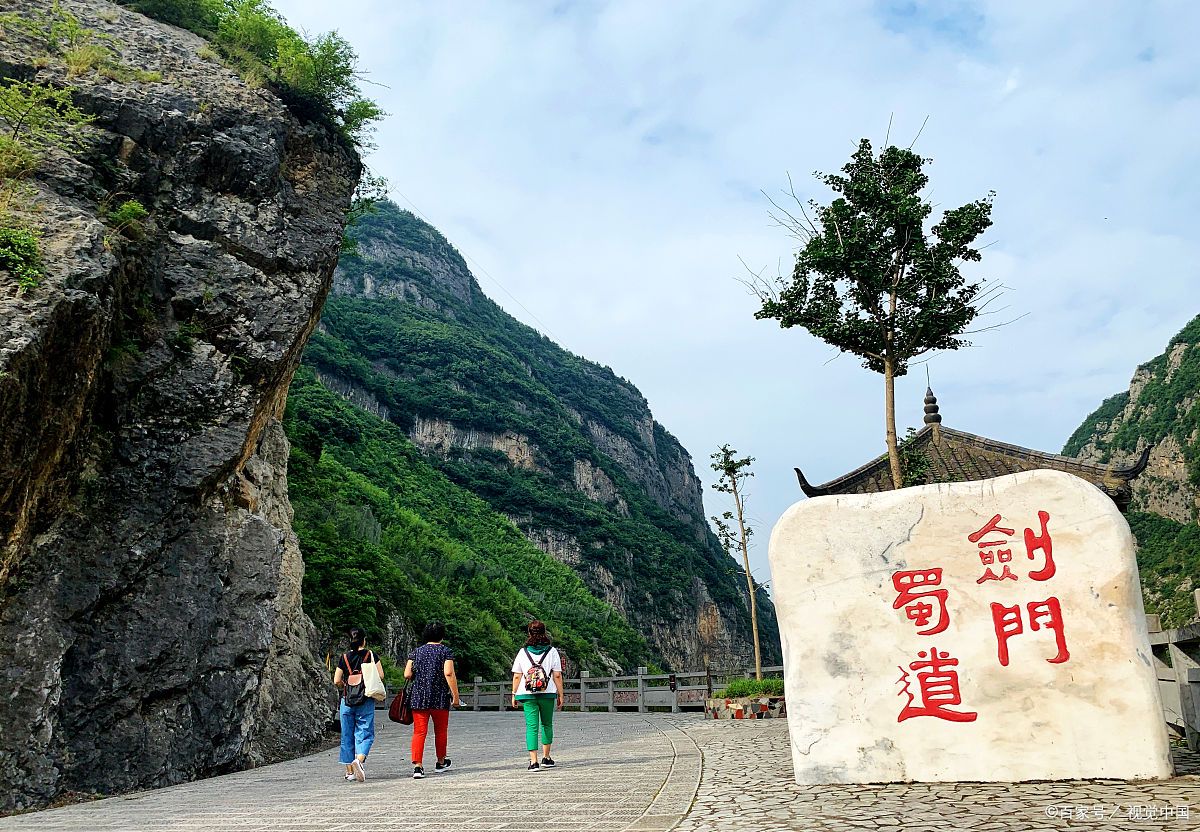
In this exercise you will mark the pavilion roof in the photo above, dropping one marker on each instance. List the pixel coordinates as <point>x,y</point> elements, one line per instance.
<point>957,456</point>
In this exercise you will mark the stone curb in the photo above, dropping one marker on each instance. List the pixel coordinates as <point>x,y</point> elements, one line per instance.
<point>678,791</point>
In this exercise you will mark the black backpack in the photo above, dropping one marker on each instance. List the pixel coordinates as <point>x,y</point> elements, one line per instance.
<point>355,691</point>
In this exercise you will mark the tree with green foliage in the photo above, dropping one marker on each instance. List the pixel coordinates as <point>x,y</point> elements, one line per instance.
<point>731,472</point>
<point>871,280</point>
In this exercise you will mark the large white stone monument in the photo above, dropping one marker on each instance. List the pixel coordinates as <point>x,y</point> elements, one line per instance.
<point>987,630</point>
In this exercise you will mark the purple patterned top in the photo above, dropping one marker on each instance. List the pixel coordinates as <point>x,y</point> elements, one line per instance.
<point>429,688</point>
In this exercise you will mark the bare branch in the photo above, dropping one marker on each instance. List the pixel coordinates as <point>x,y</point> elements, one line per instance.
<point>919,132</point>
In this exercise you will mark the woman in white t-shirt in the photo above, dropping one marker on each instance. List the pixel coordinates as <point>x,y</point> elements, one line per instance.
<point>537,685</point>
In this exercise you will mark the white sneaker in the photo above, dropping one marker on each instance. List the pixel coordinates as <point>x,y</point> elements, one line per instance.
<point>360,773</point>
<point>351,777</point>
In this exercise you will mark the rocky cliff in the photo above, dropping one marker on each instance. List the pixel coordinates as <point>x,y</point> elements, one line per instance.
<point>150,617</point>
<point>563,447</point>
<point>1161,412</point>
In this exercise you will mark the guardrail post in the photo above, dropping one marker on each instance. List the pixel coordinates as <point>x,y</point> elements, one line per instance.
<point>475,694</point>
<point>583,677</point>
<point>641,689</point>
<point>612,696</point>
<point>1187,671</point>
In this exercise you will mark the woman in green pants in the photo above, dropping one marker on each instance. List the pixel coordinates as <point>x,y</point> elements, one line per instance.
<point>537,685</point>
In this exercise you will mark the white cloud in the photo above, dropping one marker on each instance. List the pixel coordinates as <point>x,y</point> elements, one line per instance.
<point>603,162</point>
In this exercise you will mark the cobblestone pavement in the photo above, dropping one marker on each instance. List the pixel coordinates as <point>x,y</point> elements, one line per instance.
<point>615,772</point>
<point>643,773</point>
<point>747,784</point>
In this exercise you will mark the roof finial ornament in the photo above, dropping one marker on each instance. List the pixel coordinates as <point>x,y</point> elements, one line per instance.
<point>932,416</point>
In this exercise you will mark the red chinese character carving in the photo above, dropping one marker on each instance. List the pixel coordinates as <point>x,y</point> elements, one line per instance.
<point>912,594</point>
<point>993,527</point>
<point>1007,623</point>
<point>1048,614</point>
<point>990,551</point>
<point>938,684</point>
<point>1034,542</point>
<point>1042,615</point>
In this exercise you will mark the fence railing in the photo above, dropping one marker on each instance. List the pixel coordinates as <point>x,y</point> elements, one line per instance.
<point>639,692</point>
<point>1177,662</point>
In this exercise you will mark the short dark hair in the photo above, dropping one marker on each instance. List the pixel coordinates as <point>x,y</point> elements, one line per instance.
<point>434,631</point>
<point>536,631</point>
<point>357,637</point>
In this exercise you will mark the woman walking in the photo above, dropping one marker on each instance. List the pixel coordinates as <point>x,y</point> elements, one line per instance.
<point>434,689</point>
<point>357,710</point>
<point>537,685</point>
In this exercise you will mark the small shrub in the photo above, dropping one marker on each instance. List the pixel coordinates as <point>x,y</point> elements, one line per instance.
<point>752,687</point>
<point>16,160</point>
<point>317,78</point>
<point>20,255</point>
<point>127,218</point>
<point>40,116</point>
<point>184,338</point>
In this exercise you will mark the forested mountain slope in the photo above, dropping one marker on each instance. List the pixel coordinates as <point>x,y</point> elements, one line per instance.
<point>548,442</point>
<point>1160,411</point>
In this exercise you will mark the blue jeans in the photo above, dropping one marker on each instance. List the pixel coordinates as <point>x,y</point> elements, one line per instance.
<point>358,730</point>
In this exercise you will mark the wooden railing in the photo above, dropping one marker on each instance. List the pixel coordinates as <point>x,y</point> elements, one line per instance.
<point>1177,662</point>
<point>639,692</point>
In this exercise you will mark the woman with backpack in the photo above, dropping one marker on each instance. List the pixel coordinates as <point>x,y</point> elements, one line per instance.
<point>357,710</point>
<point>433,691</point>
<point>537,685</point>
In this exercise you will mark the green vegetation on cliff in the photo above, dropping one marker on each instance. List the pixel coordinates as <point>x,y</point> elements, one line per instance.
<point>557,445</point>
<point>384,534</point>
<point>316,77</point>
<point>1165,404</point>
<point>1161,408</point>
<point>1169,565</point>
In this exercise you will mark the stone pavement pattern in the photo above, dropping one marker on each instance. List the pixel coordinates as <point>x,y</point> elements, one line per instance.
<point>612,767</point>
<point>747,784</point>
<point>643,773</point>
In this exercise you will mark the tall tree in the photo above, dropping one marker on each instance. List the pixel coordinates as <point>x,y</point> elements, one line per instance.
<point>732,471</point>
<point>871,280</point>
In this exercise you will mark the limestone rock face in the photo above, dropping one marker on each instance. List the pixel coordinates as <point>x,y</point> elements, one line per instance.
<point>1158,411</point>
<point>1046,674</point>
<point>150,617</point>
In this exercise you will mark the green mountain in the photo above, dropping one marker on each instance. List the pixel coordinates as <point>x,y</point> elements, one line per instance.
<point>1161,411</point>
<point>450,461</point>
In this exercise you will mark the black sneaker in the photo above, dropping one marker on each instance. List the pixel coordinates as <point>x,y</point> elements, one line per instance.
<point>418,773</point>
<point>547,762</point>
<point>442,765</point>
<point>533,767</point>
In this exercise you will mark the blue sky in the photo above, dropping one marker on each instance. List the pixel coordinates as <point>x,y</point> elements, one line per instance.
<point>601,166</point>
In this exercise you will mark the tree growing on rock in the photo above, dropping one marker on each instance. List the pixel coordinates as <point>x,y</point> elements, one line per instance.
<point>732,471</point>
<point>872,280</point>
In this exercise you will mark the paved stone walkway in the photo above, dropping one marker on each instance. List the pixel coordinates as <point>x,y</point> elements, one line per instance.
<point>643,773</point>
<point>747,784</point>
<point>613,769</point>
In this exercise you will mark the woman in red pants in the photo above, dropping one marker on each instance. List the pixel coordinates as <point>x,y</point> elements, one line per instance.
<point>434,689</point>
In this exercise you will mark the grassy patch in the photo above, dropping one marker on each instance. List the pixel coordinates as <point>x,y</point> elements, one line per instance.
<point>16,160</point>
<point>751,687</point>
